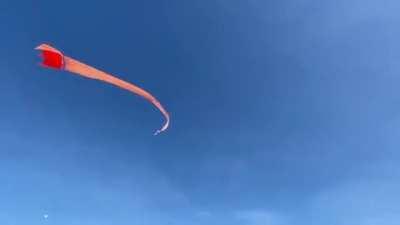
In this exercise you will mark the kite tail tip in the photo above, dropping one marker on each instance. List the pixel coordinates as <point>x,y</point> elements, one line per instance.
<point>162,129</point>
<point>159,131</point>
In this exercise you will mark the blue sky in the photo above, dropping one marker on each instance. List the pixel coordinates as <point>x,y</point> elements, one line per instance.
<point>283,112</point>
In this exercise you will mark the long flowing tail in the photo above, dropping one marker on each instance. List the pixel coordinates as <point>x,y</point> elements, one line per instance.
<point>53,58</point>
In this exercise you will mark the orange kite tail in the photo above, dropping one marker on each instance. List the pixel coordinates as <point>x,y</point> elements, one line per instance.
<point>53,58</point>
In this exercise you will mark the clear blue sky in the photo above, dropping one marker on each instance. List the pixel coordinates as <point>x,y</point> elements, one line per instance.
<point>283,113</point>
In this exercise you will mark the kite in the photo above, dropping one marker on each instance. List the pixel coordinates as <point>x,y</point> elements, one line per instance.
<point>53,58</point>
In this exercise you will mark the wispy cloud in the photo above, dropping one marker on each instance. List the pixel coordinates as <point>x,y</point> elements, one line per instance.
<point>364,202</point>
<point>203,214</point>
<point>259,217</point>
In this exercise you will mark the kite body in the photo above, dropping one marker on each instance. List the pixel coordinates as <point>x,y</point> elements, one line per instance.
<point>53,58</point>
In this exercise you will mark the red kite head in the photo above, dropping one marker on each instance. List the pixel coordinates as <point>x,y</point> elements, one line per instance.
<point>51,57</point>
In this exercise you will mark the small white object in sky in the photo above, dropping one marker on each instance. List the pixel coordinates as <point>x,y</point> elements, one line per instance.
<point>45,216</point>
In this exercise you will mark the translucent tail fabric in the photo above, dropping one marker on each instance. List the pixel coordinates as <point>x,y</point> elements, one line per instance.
<point>55,59</point>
